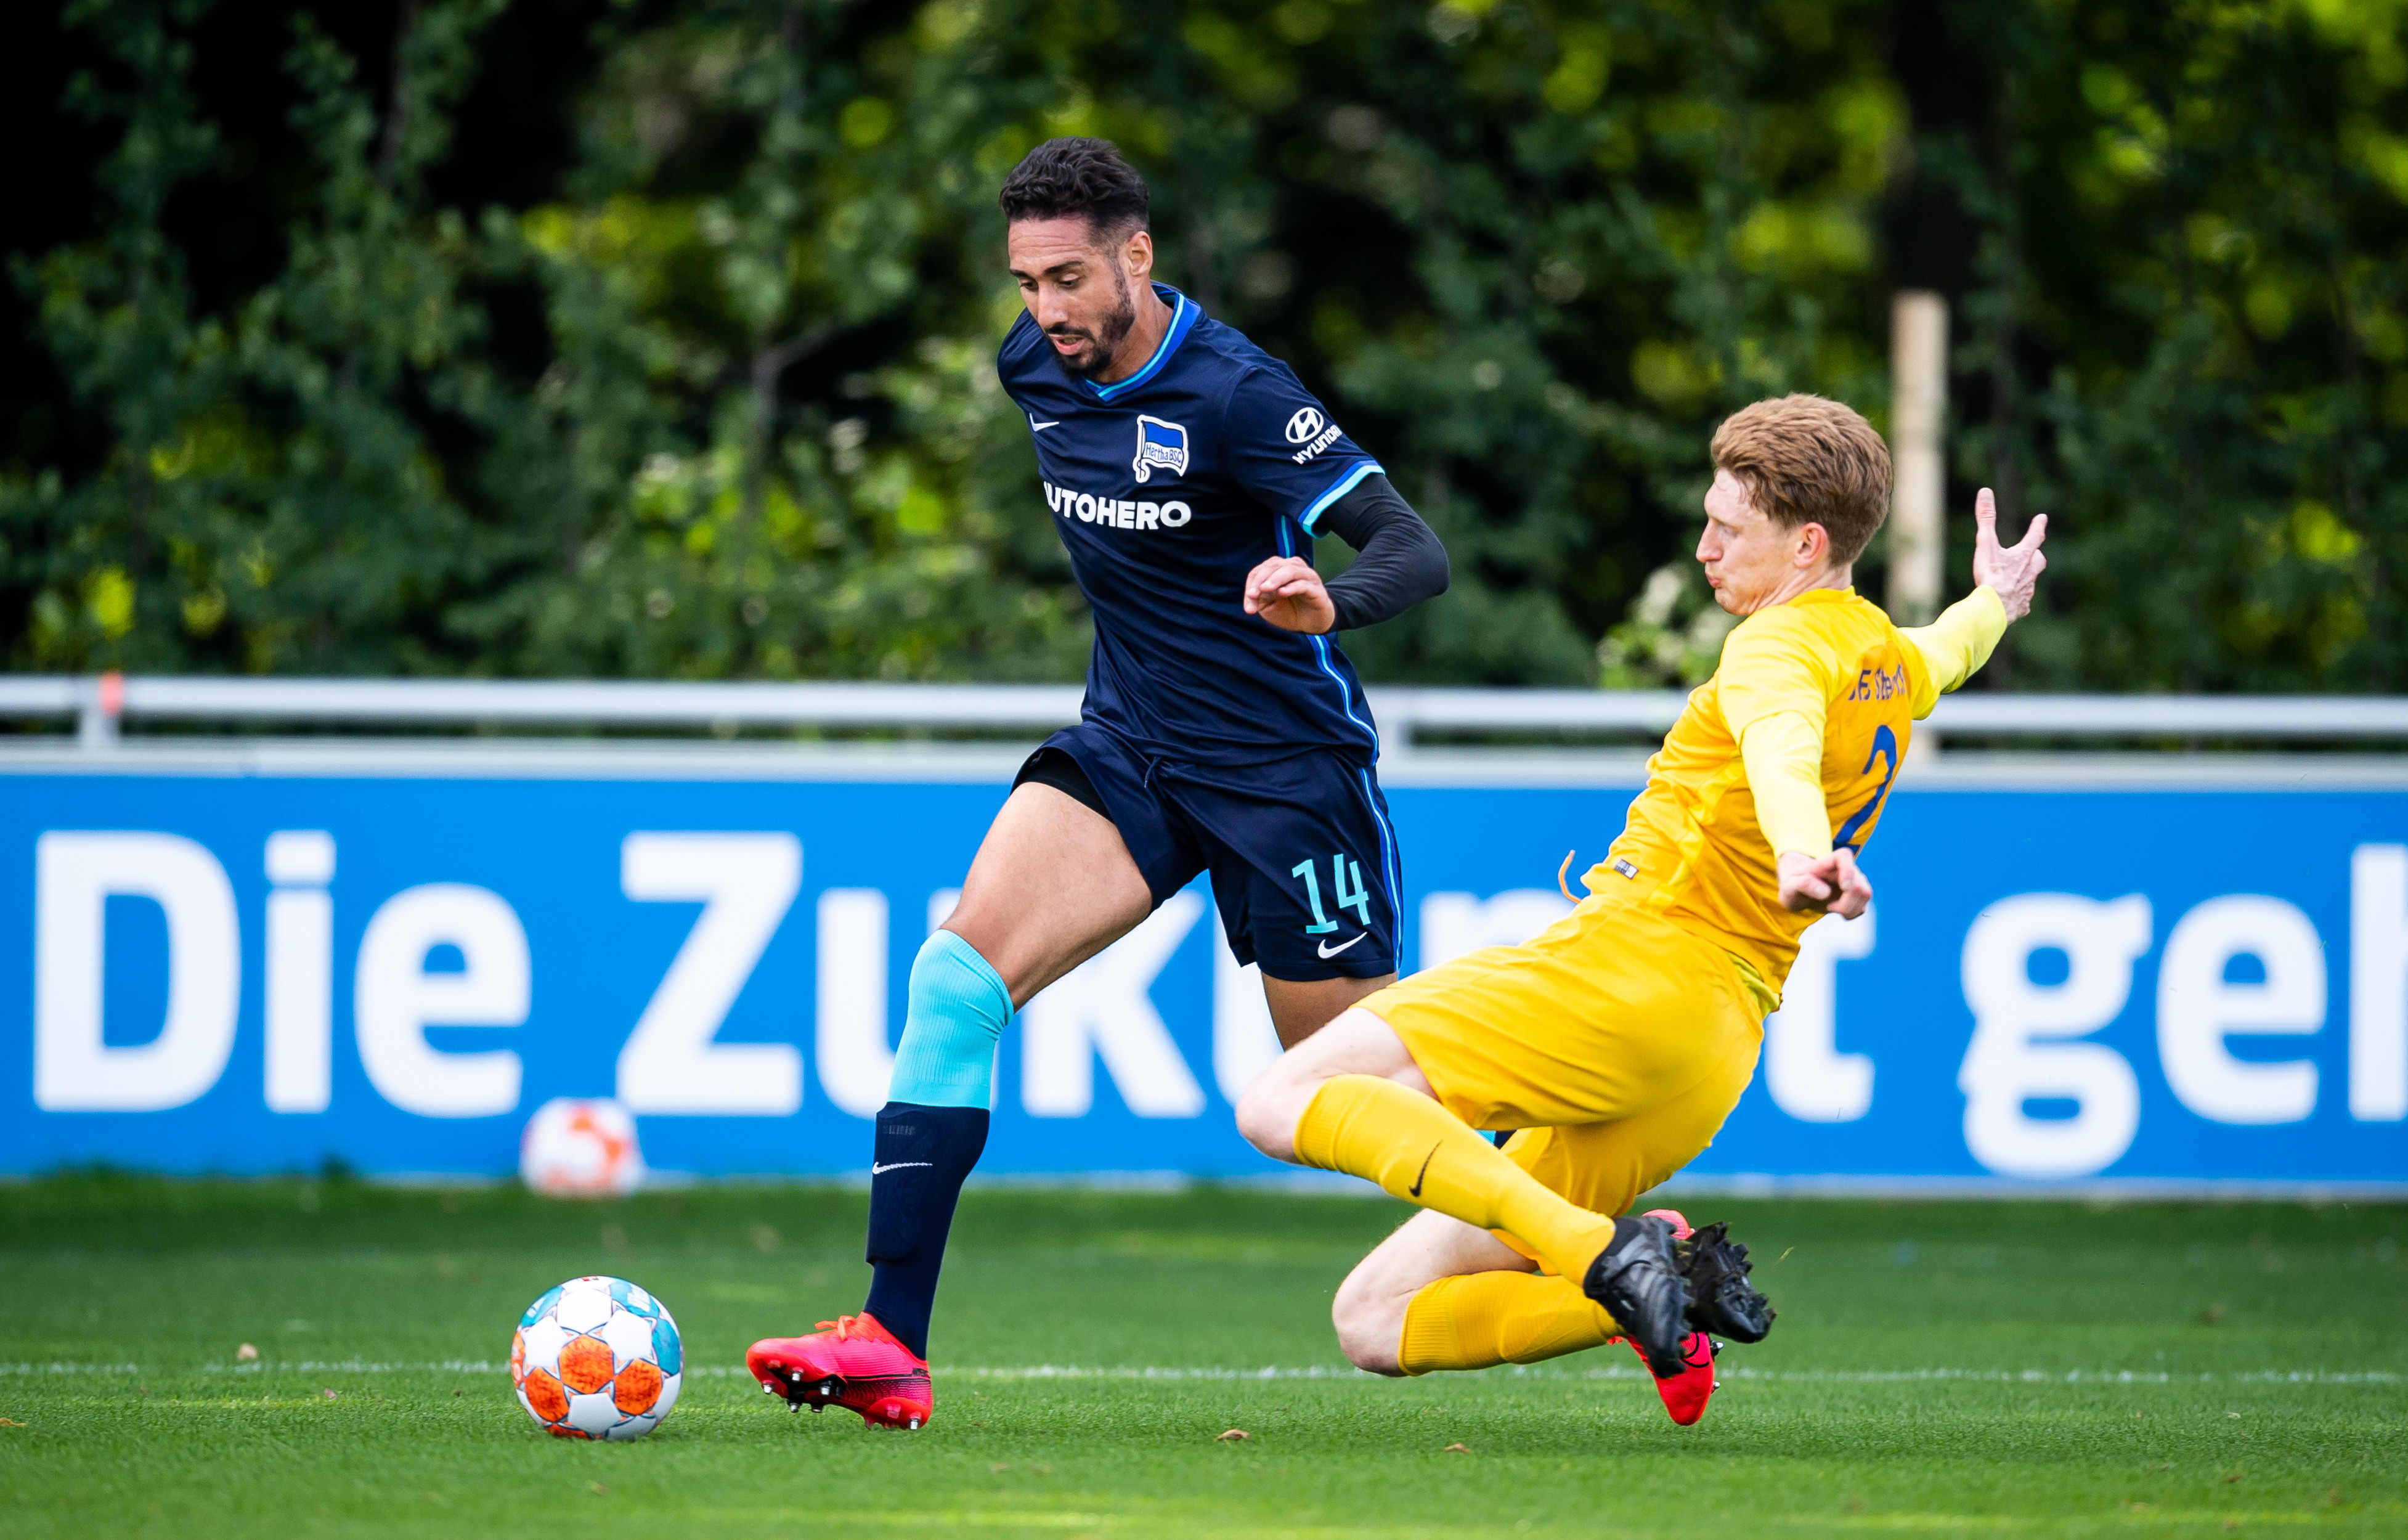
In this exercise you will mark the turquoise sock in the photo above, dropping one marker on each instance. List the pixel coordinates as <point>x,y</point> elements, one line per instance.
<point>955,1013</point>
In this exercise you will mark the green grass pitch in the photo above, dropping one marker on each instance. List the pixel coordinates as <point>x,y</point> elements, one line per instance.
<point>2026,1368</point>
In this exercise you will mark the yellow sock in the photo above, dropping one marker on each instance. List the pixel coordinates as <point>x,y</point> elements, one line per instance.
<point>1419,1151</point>
<point>1476,1320</point>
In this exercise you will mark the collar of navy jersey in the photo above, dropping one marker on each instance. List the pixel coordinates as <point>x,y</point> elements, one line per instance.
<point>1184,316</point>
<point>1185,313</point>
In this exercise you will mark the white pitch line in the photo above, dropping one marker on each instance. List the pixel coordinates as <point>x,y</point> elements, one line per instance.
<point>1316,1371</point>
<point>1871,1376</point>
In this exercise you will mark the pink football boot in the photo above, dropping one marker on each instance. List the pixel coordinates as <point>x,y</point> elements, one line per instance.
<point>853,1362</point>
<point>1686,1394</point>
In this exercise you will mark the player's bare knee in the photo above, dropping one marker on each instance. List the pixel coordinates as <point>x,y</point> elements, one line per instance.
<point>1370,1322</point>
<point>1373,1350</point>
<point>1267,1114</point>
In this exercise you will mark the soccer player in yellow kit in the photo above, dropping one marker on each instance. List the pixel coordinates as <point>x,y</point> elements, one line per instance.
<point>1619,1040</point>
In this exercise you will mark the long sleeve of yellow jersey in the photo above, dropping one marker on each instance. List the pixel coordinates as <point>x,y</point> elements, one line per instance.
<point>1774,701</point>
<point>1783,754</point>
<point>1955,646</point>
<point>1773,698</point>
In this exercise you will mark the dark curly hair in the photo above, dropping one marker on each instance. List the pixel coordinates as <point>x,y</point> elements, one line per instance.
<point>1070,177</point>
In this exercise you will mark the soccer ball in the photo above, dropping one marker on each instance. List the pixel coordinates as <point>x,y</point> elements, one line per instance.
<point>579,1148</point>
<point>598,1358</point>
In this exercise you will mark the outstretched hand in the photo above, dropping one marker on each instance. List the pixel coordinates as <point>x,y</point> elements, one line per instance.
<point>2011,571</point>
<point>1288,592</point>
<point>1824,884</point>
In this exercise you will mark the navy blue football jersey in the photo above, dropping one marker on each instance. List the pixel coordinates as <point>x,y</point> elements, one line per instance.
<point>1169,486</point>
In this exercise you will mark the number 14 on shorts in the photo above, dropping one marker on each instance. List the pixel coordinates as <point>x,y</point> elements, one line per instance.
<point>1345,895</point>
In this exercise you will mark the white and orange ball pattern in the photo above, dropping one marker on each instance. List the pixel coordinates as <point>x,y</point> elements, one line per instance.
<point>598,1358</point>
<point>580,1147</point>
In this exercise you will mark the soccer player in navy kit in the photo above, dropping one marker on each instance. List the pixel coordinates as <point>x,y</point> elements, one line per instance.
<point>1187,472</point>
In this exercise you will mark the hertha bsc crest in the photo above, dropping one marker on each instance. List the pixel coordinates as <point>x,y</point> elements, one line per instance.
<point>1159,443</point>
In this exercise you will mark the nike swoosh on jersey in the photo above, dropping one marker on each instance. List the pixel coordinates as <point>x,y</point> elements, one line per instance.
<point>1328,951</point>
<point>1419,1176</point>
<point>1036,427</point>
<point>876,1170</point>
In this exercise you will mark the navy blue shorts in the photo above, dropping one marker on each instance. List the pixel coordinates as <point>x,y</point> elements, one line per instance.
<point>1301,850</point>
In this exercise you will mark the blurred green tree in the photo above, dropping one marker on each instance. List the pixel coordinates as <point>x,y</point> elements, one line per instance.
<point>714,396</point>
<point>1436,216</point>
<point>771,198</point>
<point>2192,316</point>
<point>269,499</point>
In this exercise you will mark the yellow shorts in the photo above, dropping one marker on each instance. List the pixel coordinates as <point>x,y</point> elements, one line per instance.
<point>1617,1043</point>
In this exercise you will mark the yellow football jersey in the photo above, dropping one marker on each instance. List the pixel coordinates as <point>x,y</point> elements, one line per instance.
<point>1693,849</point>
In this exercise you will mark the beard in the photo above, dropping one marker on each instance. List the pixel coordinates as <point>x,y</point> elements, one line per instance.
<point>1103,344</point>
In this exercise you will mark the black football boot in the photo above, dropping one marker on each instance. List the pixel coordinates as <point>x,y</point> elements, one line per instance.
<point>1721,1300</point>
<point>1638,1282</point>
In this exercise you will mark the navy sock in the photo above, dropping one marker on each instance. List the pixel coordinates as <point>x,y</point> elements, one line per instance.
<point>922,1156</point>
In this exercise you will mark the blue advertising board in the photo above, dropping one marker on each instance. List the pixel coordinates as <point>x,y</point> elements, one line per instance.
<point>247,972</point>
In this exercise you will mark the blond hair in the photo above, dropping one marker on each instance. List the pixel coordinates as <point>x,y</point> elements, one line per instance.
<point>1807,459</point>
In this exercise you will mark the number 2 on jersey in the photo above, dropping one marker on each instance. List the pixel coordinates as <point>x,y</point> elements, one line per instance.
<point>1354,896</point>
<point>1885,748</point>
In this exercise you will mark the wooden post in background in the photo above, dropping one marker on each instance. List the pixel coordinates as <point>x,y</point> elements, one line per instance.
<point>1919,468</point>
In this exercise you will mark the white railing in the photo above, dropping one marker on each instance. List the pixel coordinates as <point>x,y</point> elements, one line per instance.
<point>98,704</point>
